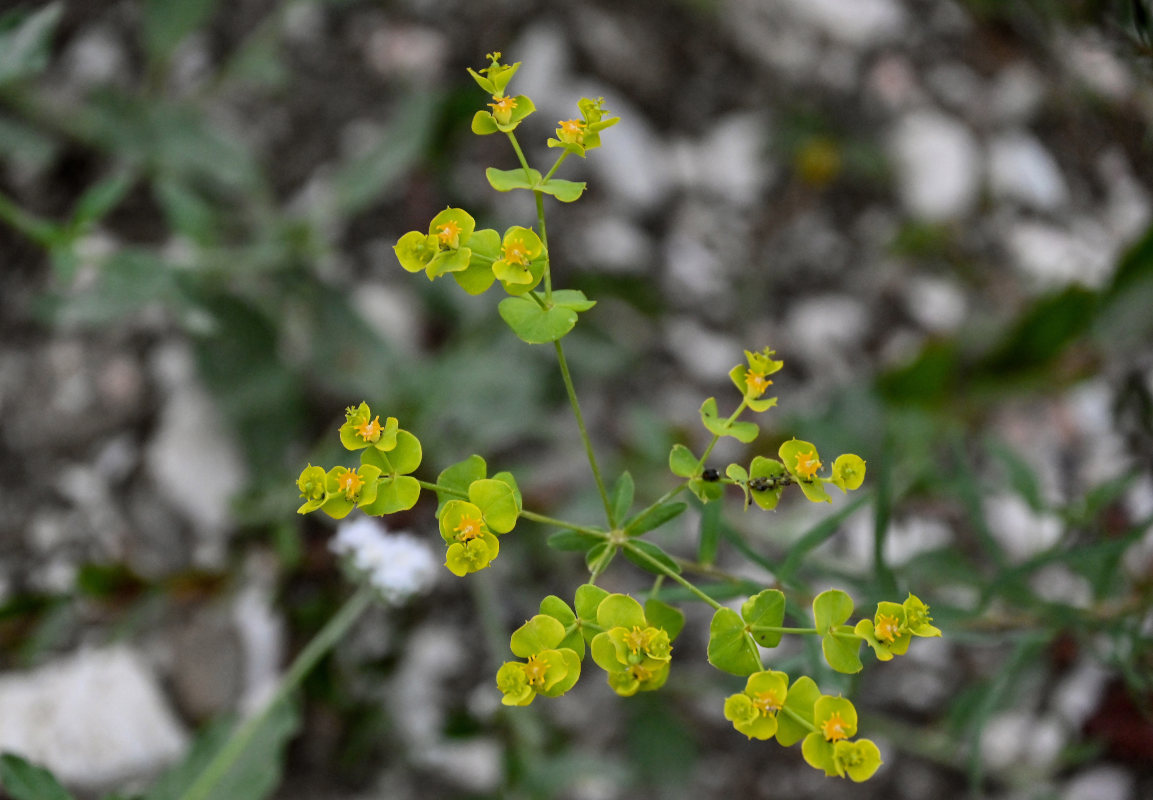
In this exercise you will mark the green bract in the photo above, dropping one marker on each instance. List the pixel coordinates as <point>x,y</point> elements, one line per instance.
<point>753,380</point>
<point>634,653</point>
<point>888,632</point>
<point>312,484</point>
<point>765,482</point>
<point>917,617</point>
<point>550,669</point>
<point>361,429</point>
<point>848,472</point>
<point>830,611</point>
<point>444,248</point>
<point>581,135</point>
<point>802,462</point>
<point>835,721</point>
<point>471,545</point>
<point>495,77</point>
<point>519,267</point>
<point>396,490</point>
<point>754,711</point>
<point>858,760</point>
<point>741,431</point>
<point>348,488</point>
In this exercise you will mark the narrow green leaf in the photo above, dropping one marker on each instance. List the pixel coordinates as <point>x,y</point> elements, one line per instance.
<point>167,22</point>
<point>621,499</point>
<point>654,518</point>
<point>25,48</point>
<point>574,541</point>
<point>25,781</point>
<point>643,554</point>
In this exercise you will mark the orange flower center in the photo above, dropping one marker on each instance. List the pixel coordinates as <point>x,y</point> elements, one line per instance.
<point>807,464</point>
<point>350,483</point>
<point>888,628</point>
<point>834,728</point>
<point>449,233</point>
<point>369,431</point>
<point>636,639</point>
<point>757,383</point>
<point>535,670</point>
<point>515,252</point>
<point>469,528</point>
<point>767,703</point>
<point>502,109</point>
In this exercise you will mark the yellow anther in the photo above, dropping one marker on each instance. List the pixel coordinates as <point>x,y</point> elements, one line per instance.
<point>449,234</point>
<point>637,639</point>
<point>350,483</point>
<point>807,464</point>
<point>834,728</point>
<point>370,431</point>
<point>535,669</point>
<point>469,528</point>
<point>888,628</point>
<point>515,252</point>
<point>757,383</point>
<point>767,703</point>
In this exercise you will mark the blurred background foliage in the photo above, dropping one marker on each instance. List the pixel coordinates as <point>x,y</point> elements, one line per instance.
<point>229,178</point>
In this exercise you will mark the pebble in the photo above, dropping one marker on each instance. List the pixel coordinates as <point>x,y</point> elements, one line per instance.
<point>93,718</point>
<point>862,23</point>
<point>937,161</point>
<point>1020,169</point>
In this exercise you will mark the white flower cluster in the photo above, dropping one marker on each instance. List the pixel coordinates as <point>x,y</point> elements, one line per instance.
<point>399,565</point>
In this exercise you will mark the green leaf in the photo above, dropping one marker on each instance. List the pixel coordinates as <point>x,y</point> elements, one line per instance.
<point>620,611</point>
<point>767,609</point>
<point>167,22</point>
<point>766,469</point>
<point>571,298</point>
<point>483,124</point>
<point>587,599</point>
<point>25,781</point>
<point>559,610</point>
<point>682,462</point>
<point>254,776</point>
<point>565,191</point>
<point>621,498</point>
<point>744,432</point>
<point>842,652</point>
<point>731,648</point>
<point>505,180</point>
<point>498,503</point>
<point>25,48</point>
<point>654,518</point>
<point>830,608</point>
<point>100,198</point>
<point>459,477</point>
<point>533,324</point>
<point>542,632</point>
<point>801,698</point>
<point>394,494</point>
<point>598,558</point>
<point>573,541</point>
<point>710,535</point>
<point>661,615</point>
<point>643,554</point>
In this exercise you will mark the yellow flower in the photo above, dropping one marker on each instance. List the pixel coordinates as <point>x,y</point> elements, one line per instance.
<point>502,109</point>
<point>449,234</point>
<point>470,527</point>
<point>808,464</point>
<point>350,483</point>
<point>757,383</point>
<point>370,431</point>
<point>834,728</point>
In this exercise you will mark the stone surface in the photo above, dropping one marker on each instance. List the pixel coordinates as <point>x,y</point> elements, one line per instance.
<point>94,718</point>
<point>937,161</point>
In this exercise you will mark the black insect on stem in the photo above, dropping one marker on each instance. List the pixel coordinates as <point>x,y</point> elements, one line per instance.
<point>710,475</point>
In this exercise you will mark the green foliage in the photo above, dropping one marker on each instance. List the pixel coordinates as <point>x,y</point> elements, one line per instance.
<point>25,781</point>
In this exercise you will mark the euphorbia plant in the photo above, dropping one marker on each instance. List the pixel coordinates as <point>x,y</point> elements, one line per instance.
<point>633,643</point>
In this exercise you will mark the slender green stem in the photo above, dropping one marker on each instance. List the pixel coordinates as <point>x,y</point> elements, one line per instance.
<point>804,723</point>
<point>655,591</point>
<point>520,156</point>
<point>568,385</point>
<point>559,161</point>
<point>716,437</point>
<point>671,574</point>
<point>324,641</point>
<point>539,197</point>
<point>530,515</point>
<point>779,629</point>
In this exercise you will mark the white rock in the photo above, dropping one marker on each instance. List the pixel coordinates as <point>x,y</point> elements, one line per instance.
<point>1021,169</point>
<point>1127,205</point>
<point>937,163</point>
<point>1056,583</point>
<point>632,165</point>
<point>1016,94</point>
<point>1021,531</point>
<point>191,458</point>
<point>391,312</point>
<point>707,355</point>
<point>614,244</point>
<point>1014,739</point>
<point>1052,257</point>
<point>93,719</point>
<point>957,85</point>
<point>1094,62</point>
<point>822,325</point>
<point>863,23</point>
<point>1103,782</point>
<point>1077,695</point>
<point>731,162</point>
<point>938,304</point>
